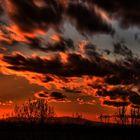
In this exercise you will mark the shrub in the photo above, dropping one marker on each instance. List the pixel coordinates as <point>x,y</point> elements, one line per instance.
<point>37,110</point>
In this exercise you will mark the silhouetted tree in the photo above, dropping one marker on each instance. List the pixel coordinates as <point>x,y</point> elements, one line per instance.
<point>121,115</point>
<point>135,115</point>
<point>38,110</point>
<point>104,118</point>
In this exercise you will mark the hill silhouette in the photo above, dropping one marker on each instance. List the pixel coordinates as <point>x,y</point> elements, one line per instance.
<point>65,128</point>
<point>36,120</point>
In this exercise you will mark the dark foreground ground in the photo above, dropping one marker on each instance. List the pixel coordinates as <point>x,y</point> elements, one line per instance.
<point>32,131</point>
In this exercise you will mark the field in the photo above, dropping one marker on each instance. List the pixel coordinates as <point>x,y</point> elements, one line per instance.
<point>66,131</point>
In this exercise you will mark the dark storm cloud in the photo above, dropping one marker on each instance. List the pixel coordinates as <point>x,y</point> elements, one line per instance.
<point>122,72</point>
<point>127,72</point>
<point>115,103</point>
<point>115,93</point>
<point>76,65</point>
<point>28,16</point>
<point>87,20</point>
<point>116,80</point>
<point>57,96</point>
<point>121,49</point>
<point>124,95</point>
<point>91,50</point>
<point>47,79</point>
<point>125,11</point>
<point>97,66</point>
<point>42,94</point>
<point>82,15</point>
<point>135,99</point>
<point>63,45</point>
<point>1,9</point>
<point>35,44</point>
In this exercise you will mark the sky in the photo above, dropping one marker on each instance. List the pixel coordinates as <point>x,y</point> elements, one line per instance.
<point>79,55</point>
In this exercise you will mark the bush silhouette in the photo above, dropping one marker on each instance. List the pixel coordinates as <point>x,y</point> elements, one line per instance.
<point>37,110</point>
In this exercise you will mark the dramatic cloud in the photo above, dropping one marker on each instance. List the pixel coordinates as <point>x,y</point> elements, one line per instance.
<point>52,96</point>
<point>127,72</point>
<point>87,19</point>
<point>45,15</point>
<point>135,99</point>
<point>58,96</point>
<point>61,45</point>
<point>75,65</point>
<point>73,72</point>
<point>65,66</point>
<point>122,49</point>
<point>126,11</point>
<point>115,93</point>
<point>115,103</point>
<point>85,62</point>
<point>120,96</point>
<point>1,8</point>
<point>90,50</point>
<point>49,14</point>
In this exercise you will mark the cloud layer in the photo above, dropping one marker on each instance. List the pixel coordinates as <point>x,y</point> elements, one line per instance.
<point>69,67</point>
<point>89,72</point>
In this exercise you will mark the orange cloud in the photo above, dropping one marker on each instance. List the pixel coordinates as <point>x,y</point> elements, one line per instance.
<point>56,38</point>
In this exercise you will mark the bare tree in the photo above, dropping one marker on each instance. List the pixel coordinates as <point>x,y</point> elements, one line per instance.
<point>135,115</point>
<point>38,110</point>
<point>104,118</point>
<point>121,115</point>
